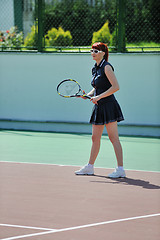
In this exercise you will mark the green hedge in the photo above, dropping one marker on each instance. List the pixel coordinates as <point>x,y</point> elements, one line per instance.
<point>58,37</point>
<point>54,37</point>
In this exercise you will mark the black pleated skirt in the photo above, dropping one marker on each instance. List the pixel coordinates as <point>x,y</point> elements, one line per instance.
<point>105,113</point>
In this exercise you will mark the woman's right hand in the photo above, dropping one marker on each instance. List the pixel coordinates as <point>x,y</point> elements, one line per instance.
<point>82,95</point>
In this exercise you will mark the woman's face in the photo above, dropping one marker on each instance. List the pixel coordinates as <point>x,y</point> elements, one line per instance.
<point>97,54</point>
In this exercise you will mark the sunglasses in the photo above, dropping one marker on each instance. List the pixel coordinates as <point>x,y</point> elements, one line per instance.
<point>95,51</point>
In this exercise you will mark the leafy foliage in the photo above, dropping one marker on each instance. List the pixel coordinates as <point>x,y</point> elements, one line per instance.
<point>80,18</point>
<point>142,18</point>
<point>11,39</point>
<point>103,35</point>
<point>58,37</point>
<point>32,38</point>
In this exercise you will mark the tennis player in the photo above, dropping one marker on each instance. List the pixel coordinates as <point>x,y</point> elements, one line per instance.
<point>106,110</point>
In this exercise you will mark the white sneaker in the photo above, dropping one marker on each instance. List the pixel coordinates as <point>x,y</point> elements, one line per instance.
<point>117,174</point>
<point>86,170</point>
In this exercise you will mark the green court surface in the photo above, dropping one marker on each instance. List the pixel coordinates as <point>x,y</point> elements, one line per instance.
<point>74,149</point>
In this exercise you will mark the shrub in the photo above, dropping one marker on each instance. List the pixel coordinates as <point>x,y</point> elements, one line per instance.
<point>58,37</point>
<point>11,39</point>
<point>32,37</point>
<point>50,37</point>
<point>102,35</point>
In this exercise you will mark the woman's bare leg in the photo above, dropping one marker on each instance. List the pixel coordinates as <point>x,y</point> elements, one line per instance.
<point>97,131</point>
<point>112,130</point>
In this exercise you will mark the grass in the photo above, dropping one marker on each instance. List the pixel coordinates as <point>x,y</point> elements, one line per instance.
<point>130,47</point>
<point>143,47</point>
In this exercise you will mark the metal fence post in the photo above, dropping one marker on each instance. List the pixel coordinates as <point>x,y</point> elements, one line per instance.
<point>121,25</point>
<point>40,25</point>
<point>18,14</point>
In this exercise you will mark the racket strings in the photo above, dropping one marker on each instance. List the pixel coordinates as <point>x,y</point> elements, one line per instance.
<point>68,88</point>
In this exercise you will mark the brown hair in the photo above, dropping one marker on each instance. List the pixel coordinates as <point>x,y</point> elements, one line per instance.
<point>102,47</point>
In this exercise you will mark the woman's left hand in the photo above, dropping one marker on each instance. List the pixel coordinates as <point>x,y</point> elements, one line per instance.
<point>95,99</point>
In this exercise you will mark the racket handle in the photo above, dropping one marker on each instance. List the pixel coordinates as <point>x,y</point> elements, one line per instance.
<point>86,96</point>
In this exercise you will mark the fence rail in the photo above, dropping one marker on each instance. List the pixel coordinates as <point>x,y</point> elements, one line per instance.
<point>73,25</point>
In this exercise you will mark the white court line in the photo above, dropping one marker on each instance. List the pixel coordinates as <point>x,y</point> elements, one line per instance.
<point>28,235</point>
<point>27,227</point>
<point>62,165</point>
<point>83,226</point>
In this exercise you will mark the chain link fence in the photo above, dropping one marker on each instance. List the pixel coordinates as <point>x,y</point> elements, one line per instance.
<point>74,25</point>
<point>142,24</point>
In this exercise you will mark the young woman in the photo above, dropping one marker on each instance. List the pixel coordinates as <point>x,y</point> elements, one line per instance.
<point>106,111</point>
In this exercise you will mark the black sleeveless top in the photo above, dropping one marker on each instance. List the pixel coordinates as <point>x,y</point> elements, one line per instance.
<point>100,81</point>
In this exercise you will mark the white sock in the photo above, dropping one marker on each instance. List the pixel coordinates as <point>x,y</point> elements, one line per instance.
<point>120,168</point>
<point>90,165</point>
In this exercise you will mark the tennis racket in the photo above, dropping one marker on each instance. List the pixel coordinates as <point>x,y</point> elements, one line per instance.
<point>70,88</point>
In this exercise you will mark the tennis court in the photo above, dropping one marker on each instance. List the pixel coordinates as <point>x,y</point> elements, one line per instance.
<point>42,199</point>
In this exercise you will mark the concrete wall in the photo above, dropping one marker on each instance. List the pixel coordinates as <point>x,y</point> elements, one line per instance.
<point>28,95</point>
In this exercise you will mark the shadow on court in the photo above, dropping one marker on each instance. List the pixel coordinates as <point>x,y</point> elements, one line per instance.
<point>128,181</point>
